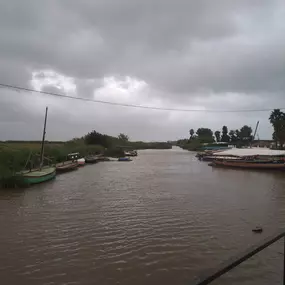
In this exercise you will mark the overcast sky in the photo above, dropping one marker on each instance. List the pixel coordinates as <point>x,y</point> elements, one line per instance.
<point>205,54</point>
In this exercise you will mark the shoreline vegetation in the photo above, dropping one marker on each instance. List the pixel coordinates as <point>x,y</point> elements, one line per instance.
<point>239,138</point>
<point>14,154</point>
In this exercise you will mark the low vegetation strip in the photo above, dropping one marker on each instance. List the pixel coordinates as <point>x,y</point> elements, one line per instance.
<point>14,154</point>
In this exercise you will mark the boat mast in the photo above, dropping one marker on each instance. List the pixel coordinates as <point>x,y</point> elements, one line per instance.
<point>43,140</point>
<point>255,130</point>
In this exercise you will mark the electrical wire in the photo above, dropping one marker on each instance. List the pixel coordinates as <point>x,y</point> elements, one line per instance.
<point>133,105</point>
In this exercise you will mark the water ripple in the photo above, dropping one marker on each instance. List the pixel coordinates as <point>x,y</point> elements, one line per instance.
<point>159,220</point>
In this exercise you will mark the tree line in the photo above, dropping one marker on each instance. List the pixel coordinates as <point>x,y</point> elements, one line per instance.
<point>206,135</point>
<point>106,141</point>
<point>238,137</point>
<point>121,141</point>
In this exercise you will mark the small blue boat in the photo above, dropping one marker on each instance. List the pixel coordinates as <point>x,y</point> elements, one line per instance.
<point>124,159</point>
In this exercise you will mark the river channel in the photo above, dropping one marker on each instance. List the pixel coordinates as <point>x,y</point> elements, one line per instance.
<point>161,219</point>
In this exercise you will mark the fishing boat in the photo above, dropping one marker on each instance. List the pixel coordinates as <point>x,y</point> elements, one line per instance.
<point>131,153</point>
<point>75,157</point>
<point>262,164</point>
<point>216,157</point>
<point>35,176</point>
<point>41,173</point>
<point>66,166</point>
<point>124,159</point>
<point>92,159</point>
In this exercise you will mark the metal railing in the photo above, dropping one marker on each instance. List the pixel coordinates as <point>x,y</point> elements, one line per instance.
<point>212,275</point>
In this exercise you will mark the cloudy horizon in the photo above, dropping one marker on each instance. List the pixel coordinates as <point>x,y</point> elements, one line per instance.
<point>198,55</point>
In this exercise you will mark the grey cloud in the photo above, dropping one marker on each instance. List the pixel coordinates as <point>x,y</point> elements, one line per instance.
<point>184,50</point>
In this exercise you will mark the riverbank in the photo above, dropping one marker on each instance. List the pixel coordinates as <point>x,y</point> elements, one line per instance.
<point>14,154</point>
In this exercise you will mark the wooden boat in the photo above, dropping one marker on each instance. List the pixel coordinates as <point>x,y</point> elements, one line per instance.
<point>92,159</point>
<point>215,157</point>
<point>124,159</point>
<point>131,153</point>
<point>257,230</point>
<point>66,166</point>
<point>40,174</point>
<point>274,165</point>
<point>76,157</point>
<point>35,176</point>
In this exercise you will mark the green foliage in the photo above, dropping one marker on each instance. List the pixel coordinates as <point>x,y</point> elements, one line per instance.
<point>14,156</point>
<point>193,145</point>
<point>99,139</point>
<point>239,138</point>
<point>149,145</point>
<point>277,119</point>
<point>218,136</point>
<point>225,137</point>
<point>191,132</point>
<point>234,136</point>
<point>205,135</point>
<point>123,137</point>
<point>245,134</point>
<point>114,152</point>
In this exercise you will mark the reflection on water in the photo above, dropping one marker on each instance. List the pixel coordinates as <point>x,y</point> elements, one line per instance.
<point>160,219</point>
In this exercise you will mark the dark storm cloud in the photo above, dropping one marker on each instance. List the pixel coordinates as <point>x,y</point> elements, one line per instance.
<point>183,50</point>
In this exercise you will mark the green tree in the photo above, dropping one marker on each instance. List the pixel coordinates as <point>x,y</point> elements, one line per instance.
<point>233,136</point>
<point>245,134</point>
<point>123,137</point>
<point>277,119</point>
<point>205,135</point>
<point>99,139</point>
<point>225,136</point>
<point>191,134</point>
<point>218,136</point>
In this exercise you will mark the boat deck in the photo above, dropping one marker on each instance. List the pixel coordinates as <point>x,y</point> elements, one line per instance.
<point>38,172</point>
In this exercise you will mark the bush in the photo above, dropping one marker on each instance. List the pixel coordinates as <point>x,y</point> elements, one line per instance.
<point>193,145</point>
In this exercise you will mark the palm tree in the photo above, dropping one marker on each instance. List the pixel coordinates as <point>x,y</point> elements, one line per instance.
<point>191,133</point>
<point>277,119</point>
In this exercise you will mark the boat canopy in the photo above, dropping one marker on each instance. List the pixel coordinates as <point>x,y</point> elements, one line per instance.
<point>251,152</point>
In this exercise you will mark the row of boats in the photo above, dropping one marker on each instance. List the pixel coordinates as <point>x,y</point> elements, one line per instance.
<point>35,175</point>
<point>46,173</point>
<point>247,158</point>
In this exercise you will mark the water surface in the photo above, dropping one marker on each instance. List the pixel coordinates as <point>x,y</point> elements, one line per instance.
<point>161,219</point>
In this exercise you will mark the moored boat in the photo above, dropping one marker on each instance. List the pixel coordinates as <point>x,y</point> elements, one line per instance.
<point>92,159</point>
<point>274,165</point>
<point>76,157</point>
<point>131,153</point>
<point>35,176</point>
<point>81,161</point>
<point>66,166</point>
<point>39,174</point>
<point>124,159</point>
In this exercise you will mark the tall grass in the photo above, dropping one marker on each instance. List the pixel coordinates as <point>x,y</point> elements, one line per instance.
<point>13,157</point>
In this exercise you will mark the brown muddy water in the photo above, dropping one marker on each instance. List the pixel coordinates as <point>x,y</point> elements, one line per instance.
<point>161,219</point>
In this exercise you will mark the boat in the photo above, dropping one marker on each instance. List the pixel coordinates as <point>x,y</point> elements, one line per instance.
<point>41,173</point>
<point>92,159</point>
<point>76,157</point>
<point>35,176</point>
<point>81,161</point>
<point>124,159</point>
<point>131,153</point>
<point>66,166</point>
<point>251,164</point>
<point>216,157</point>
<point>257,229</point>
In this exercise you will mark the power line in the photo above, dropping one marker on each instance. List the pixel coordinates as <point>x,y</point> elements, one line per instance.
<point>132,105</point>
